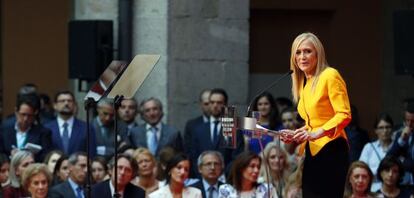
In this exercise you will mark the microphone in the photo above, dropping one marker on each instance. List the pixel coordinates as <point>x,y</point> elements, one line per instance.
<point>267,88</point>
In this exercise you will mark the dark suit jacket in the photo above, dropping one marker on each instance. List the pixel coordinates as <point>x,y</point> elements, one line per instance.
<point>201,141</point>
<point>105,141</point>
<point>77,139</point>
<point>200,186</point>
<point>63,190</point>
<point>36,135</point>
<point>102,190</point>
<point>189,131</point>
<point>169,137</point>
<point>403,151</point>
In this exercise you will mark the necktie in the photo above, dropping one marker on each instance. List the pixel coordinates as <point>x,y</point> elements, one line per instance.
<point>79,192</point>
<point>210,192</point>
<point>215,131</point>
<point>65,137</point>
<point>153,141</point>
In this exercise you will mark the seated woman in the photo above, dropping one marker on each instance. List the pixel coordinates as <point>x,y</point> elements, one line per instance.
<point>99,170</point>
<point>178,169</point>
<point>358,181</point>
<point>374,152</point>
<point>36,180</point>
<point>390,173</point>
<point>51,158</point>
<point>242,180</point>
<point>146,178</point>
<point>61,171</point>
<point>276,163</point>
<point>19,162</point>
<point>293,187</point>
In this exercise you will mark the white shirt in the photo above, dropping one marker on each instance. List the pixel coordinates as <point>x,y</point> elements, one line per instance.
<point>212,120</point>
<point>70,122</point>
<point>206,186</point>
<point>149,132</point>
<point>112,188</point>
<point>20,136</point>
<point>370,157</point>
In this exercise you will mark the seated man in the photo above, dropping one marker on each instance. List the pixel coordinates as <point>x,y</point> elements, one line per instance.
<point>127,170</point>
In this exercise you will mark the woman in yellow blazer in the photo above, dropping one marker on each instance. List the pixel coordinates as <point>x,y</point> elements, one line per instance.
<point>322,99</point>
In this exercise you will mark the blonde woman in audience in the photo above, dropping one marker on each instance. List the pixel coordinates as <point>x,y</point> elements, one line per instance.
<point>146,178</point>
<point>19,162</point>
<point>358,181</point>
<point>293,187</point>
<point>36,180</point>
<point>277,165</point>
<point>178,170</point>
<point>242,180</point>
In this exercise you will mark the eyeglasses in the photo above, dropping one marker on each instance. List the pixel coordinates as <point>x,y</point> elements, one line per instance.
<point>212,164</point>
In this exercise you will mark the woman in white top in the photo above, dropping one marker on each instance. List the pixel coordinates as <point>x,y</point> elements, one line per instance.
<point>374,152</point>
<point>242,180</point>
<point>178,169</point>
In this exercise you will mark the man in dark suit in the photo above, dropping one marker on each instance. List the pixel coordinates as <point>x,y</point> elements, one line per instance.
<point>403,145</point>
<point>127,170</point>
<point>208,136</point>
<point>73,187</point>
<point>68,132</point>
<point>200,120</point>
<point>104,129</point>
<point>154,134</point>
<point>127,113</point>
<point>24,131</point>
<point>210,165</point>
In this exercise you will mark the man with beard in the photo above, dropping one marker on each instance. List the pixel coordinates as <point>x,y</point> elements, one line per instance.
<point>68,132</point>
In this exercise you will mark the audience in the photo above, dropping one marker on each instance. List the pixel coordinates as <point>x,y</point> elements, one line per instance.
<point>390,173</point>
<point>374,152</point>
<point>51,158</point>
<point>242,180</point>
<point>211,166</point>
<point>293,188</point>
<point>36,180</point>
<point>146,177</point>
<point>61,170</point>
<point>358,181</point>
<point>19,162</point>
<point>178,169</point>
<point>99,170</point>
<point>4,171</point>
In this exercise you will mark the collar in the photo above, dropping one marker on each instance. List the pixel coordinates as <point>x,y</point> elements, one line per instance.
<point>206,118</point>
<point>70,121</point>
<point>206,185</point>
<point>158,125</point>
<point>212,119</point>
<point>112,188</point>
<point>73,185</point>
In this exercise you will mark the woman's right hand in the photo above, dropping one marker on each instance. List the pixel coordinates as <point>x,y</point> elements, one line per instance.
<point>287,135</point>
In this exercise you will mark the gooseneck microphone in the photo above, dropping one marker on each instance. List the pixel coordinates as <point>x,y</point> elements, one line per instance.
<point>265,89</point>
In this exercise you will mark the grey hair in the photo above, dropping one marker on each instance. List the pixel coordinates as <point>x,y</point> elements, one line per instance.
<point>105,101</point>
<point>14,164</point>
<point>210,152</point>
<point>156,100</point>
<point>74,157</point>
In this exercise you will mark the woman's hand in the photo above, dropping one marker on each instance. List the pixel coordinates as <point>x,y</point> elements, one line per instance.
<point>287,135</point>
<point>302,135</point>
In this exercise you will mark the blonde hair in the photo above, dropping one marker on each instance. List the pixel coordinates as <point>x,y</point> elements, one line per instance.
<point>283,176</point>
<point>35,169</point>
<point>298,77</point>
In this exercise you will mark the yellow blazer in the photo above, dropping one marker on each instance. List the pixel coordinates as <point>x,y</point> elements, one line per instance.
<point>327,107</point>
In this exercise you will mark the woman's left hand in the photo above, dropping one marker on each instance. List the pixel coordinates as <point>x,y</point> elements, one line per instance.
<point>303,134</point>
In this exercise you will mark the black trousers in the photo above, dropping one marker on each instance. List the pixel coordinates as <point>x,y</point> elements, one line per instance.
<point>324,174</point>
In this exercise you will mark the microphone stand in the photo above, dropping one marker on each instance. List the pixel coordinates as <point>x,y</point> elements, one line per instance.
<point>117,103</point>
<point>89,104</point>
